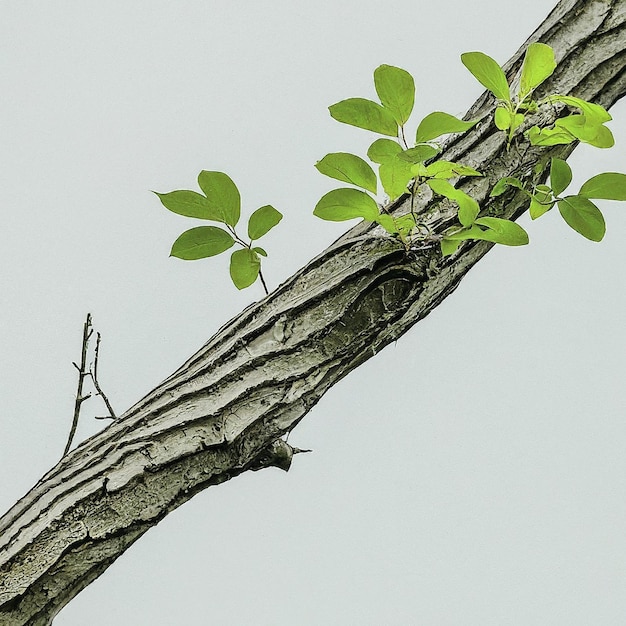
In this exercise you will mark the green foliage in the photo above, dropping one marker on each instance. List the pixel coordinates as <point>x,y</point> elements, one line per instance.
<point>346,204</point>
<point>401,168</point>
<point>396,89</point>
<point>538,65</point>
<point>201,242</point>
<point>245,266</point>
<point>348,168</point>
<point>221,202</point>
<point>607,186</point>
<point>488,73</point>
<point>365,114</point>
<point>408,169</point>
<point>436,124</point>
<point>578,211</point>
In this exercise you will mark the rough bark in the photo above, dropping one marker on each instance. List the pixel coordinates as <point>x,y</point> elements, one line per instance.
<point>224,411</point>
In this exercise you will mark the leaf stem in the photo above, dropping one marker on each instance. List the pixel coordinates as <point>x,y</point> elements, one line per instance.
<point>267,293</point>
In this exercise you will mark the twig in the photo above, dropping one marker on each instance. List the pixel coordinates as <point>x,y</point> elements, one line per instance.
<point>94,377</point>
<point>81,376</point>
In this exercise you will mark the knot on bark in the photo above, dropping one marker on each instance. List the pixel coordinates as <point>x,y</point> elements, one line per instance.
<point>278,454</point>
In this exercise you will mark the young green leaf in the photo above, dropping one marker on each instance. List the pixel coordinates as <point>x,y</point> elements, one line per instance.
<point>507,120</point>
<point>504,183</point>
<point>538,65</point>
<point>396,89</point>
<point>447,169</point>
<point>503,118</point>
<point>503,231</point>
<point>541,201</point>
<point>405,224</point>
<point>244,267</point>
<point>222,194</point>
<point>388,223</point>
<point>449,246</point>
<point>607,186</point>
<point>348,168</point>
<point>438,123</point>
<point>595,113</point>
<point>395,176</point>
<point>262,221</point>
<point>346,204</point>
<point>260,251</point>
<point>594,134</point>
<point>468,207</point>
<point>419,153</point>
<point>383,150</point>
<point>488,73</point>
<point>583,216</point>
<point>560,176</point>
<point>201,242</point>
<point>550,136</point>
<point>189,204</point>
<point>365,114</point>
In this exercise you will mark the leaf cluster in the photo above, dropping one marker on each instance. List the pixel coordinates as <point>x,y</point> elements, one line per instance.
<point>400,167</point>
<point>578,210</point>
<point>539,64</point>
<point>220,201</point>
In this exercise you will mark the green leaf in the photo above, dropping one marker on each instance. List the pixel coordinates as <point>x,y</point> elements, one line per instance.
<point>503,231</point>
<point>396,89</point>
<point>405,224</point>
<point>262,221</point>
<point>538,65</point>
<point>388,223</point>
<point>468,207</point>
<point>395,176</point>
<point>607,186</point>
<point>589,132</point>
<point>503,118</point>
<point>560,176</point>
<point>348,168</point>
<point>436,124</point>
<point>583,216</point>
<point>449,246</point>
<point>447,169</point>
<point>222,194</point>
<point>550,136</point>
<point>189,204</point>
<point>365,114</point>
<point>500,233</point>
<point>504,183</point>
<point>419,153</point>
<point>260,251</point>
<point>488,73</point>
<point>594,113</point>
<point>346,204</point>
<point>383,150</point>
<point>201,242</point>
<point>244,267</point>
<point>541,201</point>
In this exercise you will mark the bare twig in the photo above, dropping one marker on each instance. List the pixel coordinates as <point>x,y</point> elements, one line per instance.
<point>94,377</point>
<point>87,331</point>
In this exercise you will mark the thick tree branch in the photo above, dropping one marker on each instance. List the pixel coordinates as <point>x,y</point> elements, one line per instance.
<point>221,412</point>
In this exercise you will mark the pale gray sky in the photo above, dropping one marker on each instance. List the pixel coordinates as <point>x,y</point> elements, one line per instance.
<point>473,473</point>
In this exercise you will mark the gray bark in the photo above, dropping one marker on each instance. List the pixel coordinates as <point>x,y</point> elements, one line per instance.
<point>224,411</point>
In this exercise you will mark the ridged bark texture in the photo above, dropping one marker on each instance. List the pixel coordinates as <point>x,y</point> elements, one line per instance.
<point>222,412</point>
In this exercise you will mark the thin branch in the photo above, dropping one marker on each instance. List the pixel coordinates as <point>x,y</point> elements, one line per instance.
<point>87,332</point>
<point>263,283</point>
<point>96,384</point>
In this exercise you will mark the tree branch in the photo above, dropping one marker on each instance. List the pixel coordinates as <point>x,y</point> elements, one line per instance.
<point>222,410</point>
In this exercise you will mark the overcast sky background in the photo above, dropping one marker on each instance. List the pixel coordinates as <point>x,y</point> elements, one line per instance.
<point>473,473</point>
